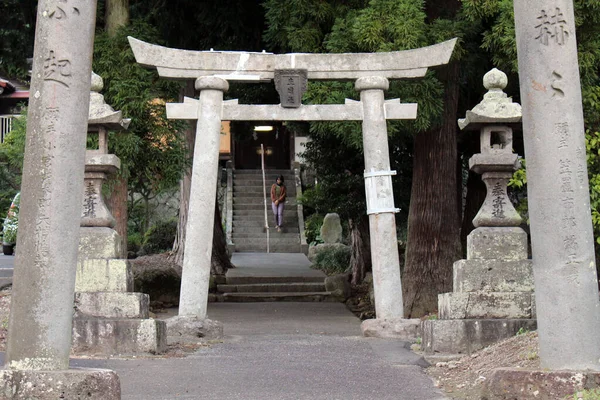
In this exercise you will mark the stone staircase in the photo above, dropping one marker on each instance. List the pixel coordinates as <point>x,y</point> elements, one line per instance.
<point>249,234</point>
<point>272,277</point>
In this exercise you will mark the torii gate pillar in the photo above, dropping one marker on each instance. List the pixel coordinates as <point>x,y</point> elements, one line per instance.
<point>198,239</point>
<point>380,199</point>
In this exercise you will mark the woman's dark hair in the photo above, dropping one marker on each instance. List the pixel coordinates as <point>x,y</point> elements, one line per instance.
<point>280,177</point>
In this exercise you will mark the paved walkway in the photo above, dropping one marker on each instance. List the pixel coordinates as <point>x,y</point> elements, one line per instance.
<point>279,351</point>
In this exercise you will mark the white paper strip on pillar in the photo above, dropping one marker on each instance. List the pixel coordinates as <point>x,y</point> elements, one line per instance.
<point>377,204</point>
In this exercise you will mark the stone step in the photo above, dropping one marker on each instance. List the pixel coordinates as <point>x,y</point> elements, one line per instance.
<point>251,280</point>
<point>256,181</point>
<point>248,200</point>
<point>274,235</point>
<point>260,230</point>
<point>296,287</point>
<point>272,297</point>
<point>260,206</point>
<point>273,172</point>
<point>258,190</point>
<point>247,247</point>
<point>487,305</point>
<point>244,212</point>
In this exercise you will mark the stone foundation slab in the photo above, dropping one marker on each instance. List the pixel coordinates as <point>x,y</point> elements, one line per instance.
<point>111,305</point>
<point>509,244</point>
<point>469,336</point>
<point>512,383</point>
<point>119,336</point>
<point>102,275</point>
<point>493,276</point>
<point>396,328</point>
<point>92,384</point>
<point>99,243</point>
<point>486,305</point>
<point>183,329</point>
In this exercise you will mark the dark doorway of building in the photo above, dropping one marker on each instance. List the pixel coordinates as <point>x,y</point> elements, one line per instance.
<point>247,141</point>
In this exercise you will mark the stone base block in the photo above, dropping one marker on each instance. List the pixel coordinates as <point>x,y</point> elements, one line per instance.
<point>99,243</point>
<point>119,336</point>
<point>102,275</point>
<point>396,328</point>
<point>493,276</point>
<point>112,305</point>
<point>469,336</point>
<point>486,305</point>
<point>509,244</point>
<point>182,329</point>
<point>512,383</point>
<point>77,383</point>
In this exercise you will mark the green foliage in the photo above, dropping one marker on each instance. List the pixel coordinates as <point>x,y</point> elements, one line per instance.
<point>11,222</point>
<point>587,394</point>
<point>134,242</point>
<point>522,331</point>
<point>11,162</point>
<point>159,238</point>
<point>153,152</point>
<point>16,37</point>
<point>312,225</point>
<point>333,260</point>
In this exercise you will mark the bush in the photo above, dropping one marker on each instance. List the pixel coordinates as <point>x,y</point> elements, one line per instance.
<point>333,260</point>
<point>312,228</point>
<point>159,238</point>
<point>134,243</point>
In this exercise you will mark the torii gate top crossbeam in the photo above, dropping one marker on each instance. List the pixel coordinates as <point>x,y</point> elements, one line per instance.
<point>245,66</point>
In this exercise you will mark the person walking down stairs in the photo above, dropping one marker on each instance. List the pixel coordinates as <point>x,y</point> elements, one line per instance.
<point>278,194</point>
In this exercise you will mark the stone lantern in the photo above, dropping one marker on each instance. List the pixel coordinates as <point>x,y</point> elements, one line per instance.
<point>492,296</point>
<point>99,165</point>
<point>109,318</point>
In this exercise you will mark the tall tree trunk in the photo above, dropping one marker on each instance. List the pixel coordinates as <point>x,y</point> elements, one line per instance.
<point>476,192</point>
<point>185,185</point>
<point>360,260</point>
<point>116,201</point>
<point>433,242</point>
<point>116,15</point>
<point>220,262</point>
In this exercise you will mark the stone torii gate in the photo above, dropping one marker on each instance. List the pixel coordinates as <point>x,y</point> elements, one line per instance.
<point>212,70</point>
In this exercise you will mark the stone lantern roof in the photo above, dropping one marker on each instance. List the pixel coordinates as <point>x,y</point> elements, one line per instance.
<point>495,108</point>
<point>101,114</point>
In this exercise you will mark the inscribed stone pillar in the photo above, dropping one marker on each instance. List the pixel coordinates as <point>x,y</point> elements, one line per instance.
<point>199,231</point>
<point>39,335</point>
<point>566,285</point>
<point>380,199</point>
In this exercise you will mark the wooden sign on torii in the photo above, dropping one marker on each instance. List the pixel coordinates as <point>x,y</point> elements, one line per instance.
<point>212,70</point>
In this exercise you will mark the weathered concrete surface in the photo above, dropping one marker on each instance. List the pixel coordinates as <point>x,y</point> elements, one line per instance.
<point>99,243</point>
<point>111,305</point>
<point>508,244</point>
<point>79,383</point>
<point>104,275</point>
<point>468,336</point>
<point>199,233</point>
<point>244,66</point>
<point>566,281</point>
<point>509,384</point>
<point>182,329</point>
<point>493,276</point>
<point>331,230</point>
<point>119,336</point>
<point>47,243</point>
<point>393,328</point>
<point>486,305</point>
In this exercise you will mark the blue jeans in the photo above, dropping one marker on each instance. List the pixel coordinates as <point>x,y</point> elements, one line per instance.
<point>278,212</point>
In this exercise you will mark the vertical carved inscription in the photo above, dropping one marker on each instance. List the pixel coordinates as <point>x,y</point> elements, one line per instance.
<point>57,70</point>
<point>90,201</point>
<point>499,201</point>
